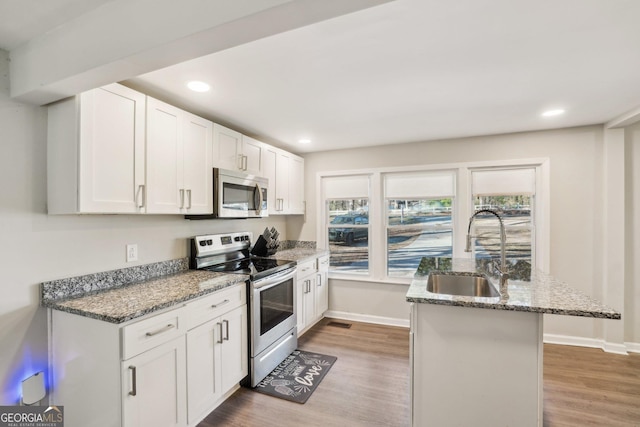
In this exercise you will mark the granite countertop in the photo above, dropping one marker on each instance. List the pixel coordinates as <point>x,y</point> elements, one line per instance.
<point>299,254</point>
<point>537,293</point>
<point>124,303</point>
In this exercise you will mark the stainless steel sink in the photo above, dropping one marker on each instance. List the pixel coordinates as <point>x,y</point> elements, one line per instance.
<point>469,285</point>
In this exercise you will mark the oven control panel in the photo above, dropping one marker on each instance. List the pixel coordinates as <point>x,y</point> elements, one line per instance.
<point>219,243</point>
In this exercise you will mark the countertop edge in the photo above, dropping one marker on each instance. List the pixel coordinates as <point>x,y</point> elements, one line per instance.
<point>233,279</point>
<point>520,308</point>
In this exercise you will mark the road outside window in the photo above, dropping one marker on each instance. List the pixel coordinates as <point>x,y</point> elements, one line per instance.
<point>348,232</point>
<point>417,229</point>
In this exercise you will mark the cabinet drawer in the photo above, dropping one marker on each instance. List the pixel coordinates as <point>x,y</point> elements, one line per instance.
<point>323,263</point>
<point>148,333</point>
<point>306,268</point>
<point>214,305</point>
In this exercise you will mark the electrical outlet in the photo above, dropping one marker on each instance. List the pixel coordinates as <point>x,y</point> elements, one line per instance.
<point>132,253</point>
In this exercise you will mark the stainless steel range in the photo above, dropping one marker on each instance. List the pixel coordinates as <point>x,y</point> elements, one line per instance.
<point>270,291</point>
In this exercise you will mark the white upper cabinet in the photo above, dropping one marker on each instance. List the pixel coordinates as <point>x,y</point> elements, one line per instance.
<point>179,161</point>
<point>234,151</point>
<point>96,152</point>
<point>285,172</point>
<point>252,151</point>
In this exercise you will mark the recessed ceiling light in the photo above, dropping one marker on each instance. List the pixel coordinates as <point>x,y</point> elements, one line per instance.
<point>197,86</point>
<point>304,141</point>
<point>551,113</point>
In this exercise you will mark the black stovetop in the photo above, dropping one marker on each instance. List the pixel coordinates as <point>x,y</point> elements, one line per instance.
<point>255,267</point>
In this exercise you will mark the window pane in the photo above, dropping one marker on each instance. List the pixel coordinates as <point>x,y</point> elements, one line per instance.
<point>417,229</point>
<point>348,235</point>
<point>516,215</point>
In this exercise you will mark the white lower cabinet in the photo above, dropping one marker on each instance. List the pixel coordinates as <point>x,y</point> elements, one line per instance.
<point>154,387</point>
<point>322,286</point>
<point>216,361</point>
<point>312,292</point>
<point>170,369</point>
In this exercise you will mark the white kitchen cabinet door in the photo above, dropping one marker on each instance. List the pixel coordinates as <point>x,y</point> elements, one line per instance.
<point>296,185</point>
<point>234,347</point>
<point>301,293</point>
<point>96,152</point>
<point>217,359</point>
<point>227,148</point>
<point>310,302</point>
<point>198,163</point>
<point>269,158</point>
<point>203,369</point>
<point>154,387</point>
<point>322,286</point>
<point>164,158</point>
<point>282,183</point>
<point>305,294</point>
<point>285,172</point>
<point>252,156</point>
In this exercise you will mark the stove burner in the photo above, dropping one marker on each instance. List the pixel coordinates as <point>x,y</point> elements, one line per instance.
<point>255,267</point>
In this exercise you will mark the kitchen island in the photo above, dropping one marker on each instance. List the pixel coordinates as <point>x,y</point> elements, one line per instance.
<point>478,360</point>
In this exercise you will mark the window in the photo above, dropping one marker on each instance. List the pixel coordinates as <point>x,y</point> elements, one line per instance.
<point>509,192</point>
<point>347,223</point>
<point>419,208</point>
<point>380,224</point>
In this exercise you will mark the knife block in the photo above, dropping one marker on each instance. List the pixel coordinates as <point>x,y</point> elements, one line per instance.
<point>260,248</point>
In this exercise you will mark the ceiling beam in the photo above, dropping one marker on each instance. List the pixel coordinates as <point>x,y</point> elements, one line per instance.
<point>623,120</point>
<point>125,38</point>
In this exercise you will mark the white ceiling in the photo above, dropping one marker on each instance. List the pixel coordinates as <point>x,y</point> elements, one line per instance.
<point>412,70</point>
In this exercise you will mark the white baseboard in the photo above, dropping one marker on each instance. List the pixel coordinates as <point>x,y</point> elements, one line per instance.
<point>633,347</point>
<point>591,342</point>
<point>366,318</point>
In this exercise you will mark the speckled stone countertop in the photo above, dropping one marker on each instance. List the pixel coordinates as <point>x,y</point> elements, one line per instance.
<point>541,293</point>
<point>123,302</point>
<point>299,254</point>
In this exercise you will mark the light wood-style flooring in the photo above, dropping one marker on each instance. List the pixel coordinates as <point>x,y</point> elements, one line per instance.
<point>369,385</point>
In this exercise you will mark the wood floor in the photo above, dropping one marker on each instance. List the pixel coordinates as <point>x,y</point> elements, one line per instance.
<point>369,385</point>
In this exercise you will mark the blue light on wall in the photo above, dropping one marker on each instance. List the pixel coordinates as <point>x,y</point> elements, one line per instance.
<point>29,365</point>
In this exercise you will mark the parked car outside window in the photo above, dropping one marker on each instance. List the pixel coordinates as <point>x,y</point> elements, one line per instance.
<point>348,235</point>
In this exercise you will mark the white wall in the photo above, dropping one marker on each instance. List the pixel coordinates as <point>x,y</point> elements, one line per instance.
<point>632,247</point>
<point>35,247</point>
<point>576,182</point>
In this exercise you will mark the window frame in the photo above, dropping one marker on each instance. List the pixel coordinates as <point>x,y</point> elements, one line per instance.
<point>461,206</point>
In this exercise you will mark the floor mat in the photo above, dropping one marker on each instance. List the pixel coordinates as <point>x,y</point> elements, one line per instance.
<point>297,376</point>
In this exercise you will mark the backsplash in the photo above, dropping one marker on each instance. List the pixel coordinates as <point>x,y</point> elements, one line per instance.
<point>81,285</point>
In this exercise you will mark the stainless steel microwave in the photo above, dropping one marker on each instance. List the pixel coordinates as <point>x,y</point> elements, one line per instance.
<point>237,195</point>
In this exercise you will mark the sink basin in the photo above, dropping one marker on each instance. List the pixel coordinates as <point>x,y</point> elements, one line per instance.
<point>468,285</point>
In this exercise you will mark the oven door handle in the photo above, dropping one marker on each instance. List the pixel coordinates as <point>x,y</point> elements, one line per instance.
<point>273,280</point>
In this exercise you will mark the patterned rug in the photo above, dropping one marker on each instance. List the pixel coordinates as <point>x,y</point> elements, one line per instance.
<point>297,376</point>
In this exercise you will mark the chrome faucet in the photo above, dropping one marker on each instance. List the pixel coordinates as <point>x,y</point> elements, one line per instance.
<point>503,240</point>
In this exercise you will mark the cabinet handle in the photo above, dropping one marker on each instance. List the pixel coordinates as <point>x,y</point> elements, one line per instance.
<point>220,304</point>
<point>134,381</point>
<point>181,198</point>
<point>141,195</point>
<point>221,339</point>
<point>161,330</point>
<point>319,279</point>
<point>239,161</point>
<point>245,163</point>
<point>226,323</point>
<point>189,198</point>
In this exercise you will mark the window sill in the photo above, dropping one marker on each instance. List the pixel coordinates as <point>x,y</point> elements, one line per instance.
<point>356,278</point>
